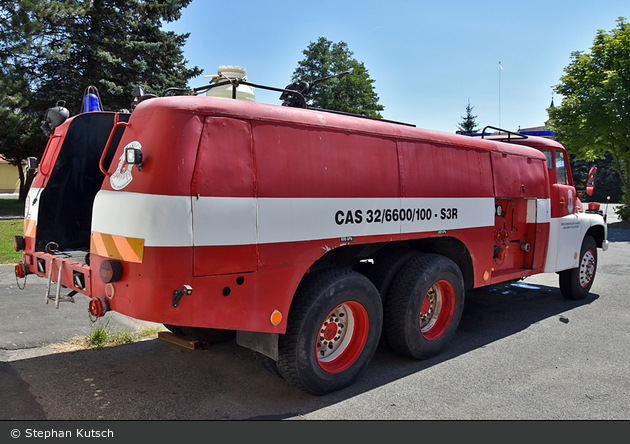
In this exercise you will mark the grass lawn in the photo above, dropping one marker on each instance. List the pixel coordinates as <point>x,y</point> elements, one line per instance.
<point>8,229</point>
<point>11,207</point>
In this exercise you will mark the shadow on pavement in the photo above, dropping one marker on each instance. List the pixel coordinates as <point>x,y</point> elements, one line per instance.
<point>157,380</point>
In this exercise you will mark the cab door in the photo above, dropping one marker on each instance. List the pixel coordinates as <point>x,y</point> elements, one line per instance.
<point>565,231</point>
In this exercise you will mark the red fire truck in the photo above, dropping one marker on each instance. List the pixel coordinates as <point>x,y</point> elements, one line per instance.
<point>307,234</point>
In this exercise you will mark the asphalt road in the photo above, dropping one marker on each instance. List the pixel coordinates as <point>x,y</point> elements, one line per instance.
<point>522,352</point>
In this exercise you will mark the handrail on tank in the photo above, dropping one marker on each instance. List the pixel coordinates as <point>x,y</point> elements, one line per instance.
<point>235,83</point>
<point>109,141</point>
<point>501,130</point>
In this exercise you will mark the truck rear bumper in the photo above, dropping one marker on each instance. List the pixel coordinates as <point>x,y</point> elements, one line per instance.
<point>74,275</point>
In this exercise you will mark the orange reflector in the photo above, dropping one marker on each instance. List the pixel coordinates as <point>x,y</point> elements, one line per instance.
<point>30,228</point>
<point>126,249</point>
<point>486,276</point>
<point>276,317</point>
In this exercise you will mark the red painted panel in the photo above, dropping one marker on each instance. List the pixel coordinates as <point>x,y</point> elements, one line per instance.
<point>242,301</point>
<point>47,162</point>
<point>224,162</point>
<point>542,243</point>
<point>225,259</point>
<point>224,168</point>
<point>435,170</point>
<point>294,161</point>
<point>517,176</point>
<point>563,200</point>
<point>169,149</point>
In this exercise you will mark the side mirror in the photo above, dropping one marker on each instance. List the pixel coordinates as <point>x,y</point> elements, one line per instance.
<point>590,182</point>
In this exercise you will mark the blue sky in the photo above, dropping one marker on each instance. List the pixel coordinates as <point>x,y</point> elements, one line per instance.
<point>428,58</point>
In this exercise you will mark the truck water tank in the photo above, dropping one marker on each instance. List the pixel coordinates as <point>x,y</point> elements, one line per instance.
<point>243,92</point>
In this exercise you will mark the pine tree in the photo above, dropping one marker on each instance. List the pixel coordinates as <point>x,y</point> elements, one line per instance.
<point>53,50</point>
<point>468,125</point>
<point>29,35</point>
<point>116,46</point>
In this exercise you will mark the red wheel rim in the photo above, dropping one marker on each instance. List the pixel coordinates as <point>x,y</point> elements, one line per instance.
<point>436,310</point>
<point>341,337</point>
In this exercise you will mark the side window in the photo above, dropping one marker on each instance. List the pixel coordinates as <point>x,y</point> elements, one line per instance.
<point>549,157</point>
<point>560,168</point>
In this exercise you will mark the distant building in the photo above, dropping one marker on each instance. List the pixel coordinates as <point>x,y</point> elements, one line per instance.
<point>9,177</point>
<point>540,131</point>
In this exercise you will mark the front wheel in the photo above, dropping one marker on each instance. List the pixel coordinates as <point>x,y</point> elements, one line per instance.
<point>577,282</point>
<point>424,306</point>
<point>332,332</point>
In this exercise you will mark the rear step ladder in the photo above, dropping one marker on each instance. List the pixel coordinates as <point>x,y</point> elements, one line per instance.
<point>57,297</point>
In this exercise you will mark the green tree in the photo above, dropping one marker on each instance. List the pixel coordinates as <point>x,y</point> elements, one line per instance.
<point>55,49</point>
<point>607,182</point>
<point>353,93</point>
<point>116,46</point>
<point>468,125</point>
<point>29,35</point>
<point>594,117</point>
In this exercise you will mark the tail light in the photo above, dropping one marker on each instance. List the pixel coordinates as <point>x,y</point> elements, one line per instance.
<point>98,307</point>
<point>21,271</point>
<point>110,271</point>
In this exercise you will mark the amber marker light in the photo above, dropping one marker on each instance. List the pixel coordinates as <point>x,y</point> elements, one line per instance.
<point>276,317</point>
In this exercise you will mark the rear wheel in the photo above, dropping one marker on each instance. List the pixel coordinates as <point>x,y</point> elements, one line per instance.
<point>424,306</point>
<point>382,273</point>
<point>577,282</point>
<point>268,363</point>
<point>332,332</point>
<point>386,266</point>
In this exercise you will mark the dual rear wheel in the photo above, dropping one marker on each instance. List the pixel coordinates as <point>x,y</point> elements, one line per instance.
<point>424,306</point>
<point>337,315</point>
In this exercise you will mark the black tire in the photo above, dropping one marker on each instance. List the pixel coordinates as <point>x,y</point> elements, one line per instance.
<point>386,267</point>
<point>322,352</point>
<point>208,335</point>
<point>576,283</point>
<point>382,273</point>
<point>424,306</point>
<point>268,363</point>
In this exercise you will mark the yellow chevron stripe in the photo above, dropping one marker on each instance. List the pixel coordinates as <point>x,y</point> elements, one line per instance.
<point>30,228</point>
<point>126,249</point>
